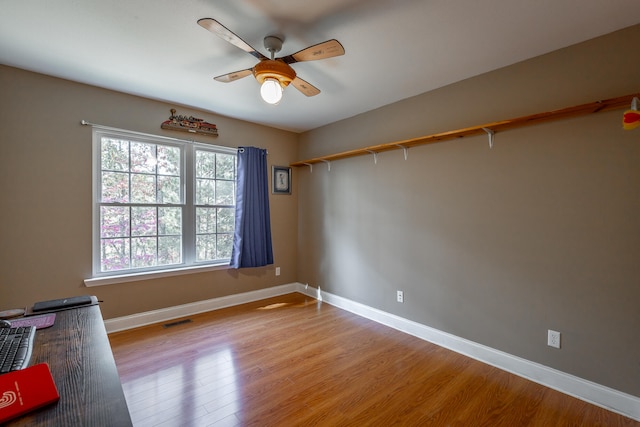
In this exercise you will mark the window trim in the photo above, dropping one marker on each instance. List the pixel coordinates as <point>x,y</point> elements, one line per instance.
<point>188,148</point>
<point>156,274</point>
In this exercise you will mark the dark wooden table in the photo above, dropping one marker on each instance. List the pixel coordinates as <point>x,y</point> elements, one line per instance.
<point>78,353</point>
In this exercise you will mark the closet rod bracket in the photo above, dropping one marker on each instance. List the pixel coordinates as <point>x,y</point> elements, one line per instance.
<point>405,149</point>
<point>490,133</point>
<point>375,156</point>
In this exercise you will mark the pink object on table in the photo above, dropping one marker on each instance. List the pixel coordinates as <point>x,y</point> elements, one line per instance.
<point>39,322</point>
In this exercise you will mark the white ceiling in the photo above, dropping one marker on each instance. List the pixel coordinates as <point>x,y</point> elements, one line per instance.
<point>394,49</point>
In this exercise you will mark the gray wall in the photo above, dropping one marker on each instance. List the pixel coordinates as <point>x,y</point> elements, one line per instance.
<point>495,246</point>
<point>45,183</point>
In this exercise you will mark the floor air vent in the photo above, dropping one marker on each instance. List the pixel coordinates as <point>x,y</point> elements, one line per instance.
<point>176,323</point>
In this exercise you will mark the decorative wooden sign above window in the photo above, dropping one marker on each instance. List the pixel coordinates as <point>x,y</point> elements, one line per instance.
<point>189,124</point>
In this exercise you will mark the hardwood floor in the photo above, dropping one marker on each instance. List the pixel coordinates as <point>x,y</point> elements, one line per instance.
<point>293,361</point>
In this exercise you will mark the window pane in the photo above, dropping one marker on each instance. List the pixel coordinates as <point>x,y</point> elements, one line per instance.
<point>114,254</point>
<point>168,160</point>
<point>205,192</point>
<point>114,221</point>
<point>143,157</point>
<point>169,250</point>
<point>142,203</point>
<point>143,188</point>
<point>143,221</point>
<point>225,166</point>
<point>143,251</point>
<point>114,154</point>
<point>205,164</point>
<point>226,220</point>
<point>169,189</point>
<point>224,193</point>
<point>205,220</point>
<point>225,244</point>
<point>170,221</point>
<point>205,247</point>
<point>115,187</point>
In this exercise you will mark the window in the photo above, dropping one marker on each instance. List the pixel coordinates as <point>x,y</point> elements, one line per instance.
<point>160,203</point>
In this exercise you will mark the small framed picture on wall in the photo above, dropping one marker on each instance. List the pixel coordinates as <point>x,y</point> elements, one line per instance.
<point>281,179</point>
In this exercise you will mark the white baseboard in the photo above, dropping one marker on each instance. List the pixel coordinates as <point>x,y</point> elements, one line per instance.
<point>170,313</point>
<point>605,397</point>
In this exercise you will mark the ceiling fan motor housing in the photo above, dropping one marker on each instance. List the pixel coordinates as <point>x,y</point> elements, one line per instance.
<point>275,69</point>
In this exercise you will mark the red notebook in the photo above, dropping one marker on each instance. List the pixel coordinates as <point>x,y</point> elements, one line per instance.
<point>25,390</point>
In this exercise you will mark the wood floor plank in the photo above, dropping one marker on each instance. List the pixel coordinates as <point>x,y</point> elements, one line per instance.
<point>294,361</point>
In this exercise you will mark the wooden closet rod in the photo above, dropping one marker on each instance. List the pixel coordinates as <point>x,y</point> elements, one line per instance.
<point>488,128</point>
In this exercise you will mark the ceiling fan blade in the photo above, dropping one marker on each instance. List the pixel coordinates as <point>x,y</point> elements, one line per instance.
<point>236,75</point>
<point>305,87</point>
<point>323,50</point>
<point>226,34</point>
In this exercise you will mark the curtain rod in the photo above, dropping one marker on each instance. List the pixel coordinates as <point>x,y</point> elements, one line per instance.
<point>149,135</point>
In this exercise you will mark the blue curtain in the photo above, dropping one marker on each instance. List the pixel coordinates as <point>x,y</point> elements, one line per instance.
<point>252,239</point>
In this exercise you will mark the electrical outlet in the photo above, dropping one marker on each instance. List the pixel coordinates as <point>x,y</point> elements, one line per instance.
<point>400,296</point>
<point>277,271</point>
<point>553,339</point>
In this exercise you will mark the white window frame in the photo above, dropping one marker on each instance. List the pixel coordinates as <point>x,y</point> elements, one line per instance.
<point>188,178</point>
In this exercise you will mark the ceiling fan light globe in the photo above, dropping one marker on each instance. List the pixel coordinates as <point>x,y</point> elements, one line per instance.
<point>271,91</point>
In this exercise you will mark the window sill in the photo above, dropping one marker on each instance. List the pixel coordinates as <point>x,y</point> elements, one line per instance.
<point>133,277</point>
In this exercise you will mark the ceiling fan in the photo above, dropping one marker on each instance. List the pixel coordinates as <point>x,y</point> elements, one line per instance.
<point>274,74</point>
